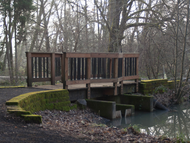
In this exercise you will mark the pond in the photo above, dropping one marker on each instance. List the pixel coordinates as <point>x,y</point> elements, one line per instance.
<point>172,123</point>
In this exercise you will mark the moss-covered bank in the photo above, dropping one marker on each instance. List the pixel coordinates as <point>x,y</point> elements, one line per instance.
<point>26,104</point>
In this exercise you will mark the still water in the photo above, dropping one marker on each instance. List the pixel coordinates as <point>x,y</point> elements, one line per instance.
<point>172,123</point>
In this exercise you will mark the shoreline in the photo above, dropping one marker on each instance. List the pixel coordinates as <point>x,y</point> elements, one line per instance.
<point>86,125</point>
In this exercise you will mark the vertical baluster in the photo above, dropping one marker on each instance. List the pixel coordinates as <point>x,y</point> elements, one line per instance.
<point>112,68</point>
<point>130,66</point>
<point>99,68</point>
<point>35,64</point>
<point>125,66</point>
<point>79,64</point>
<point>71,67</point>
<point>86,71</point>
<point>59,65</point>
<point>47,70</point>
<point>56,66</point>
<point>118,74</point>
<point>94,69</point>
<point>32,58</point>
<point>43,67</point>
<point>40,66</point>
<point>75,69</point>
<point>82,68</point>
<point>103,68</point>
<point>135,67</point>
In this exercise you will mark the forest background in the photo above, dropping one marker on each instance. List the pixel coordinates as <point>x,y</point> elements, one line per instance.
<point>156,29</point>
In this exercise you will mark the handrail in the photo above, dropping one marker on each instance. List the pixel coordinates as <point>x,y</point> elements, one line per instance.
<point>82,68</point>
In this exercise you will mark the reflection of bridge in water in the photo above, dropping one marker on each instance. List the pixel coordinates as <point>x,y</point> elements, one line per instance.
<point>85,75</point>
<point>172,124</point>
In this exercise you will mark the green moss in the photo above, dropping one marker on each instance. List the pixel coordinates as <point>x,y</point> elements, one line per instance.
<point>149,86</point>
<point>50,106</point>
<point>144,103</point>
<point>32,118</point>
<point>65,108</point>
<point>73,107</point>
<point>35,101</point>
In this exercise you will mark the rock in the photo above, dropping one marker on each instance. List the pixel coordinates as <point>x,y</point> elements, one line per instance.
<point>81,103</point>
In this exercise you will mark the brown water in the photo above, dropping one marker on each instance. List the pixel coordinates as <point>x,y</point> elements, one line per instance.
<point>174,123</point>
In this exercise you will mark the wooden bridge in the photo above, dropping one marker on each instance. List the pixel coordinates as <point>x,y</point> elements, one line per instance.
<point>83,68</point>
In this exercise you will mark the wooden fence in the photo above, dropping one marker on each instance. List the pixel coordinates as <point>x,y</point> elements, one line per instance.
<point>82,68</point>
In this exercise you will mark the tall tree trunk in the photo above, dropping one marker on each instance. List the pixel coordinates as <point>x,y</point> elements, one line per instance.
<point>46,26</point>
<point>36,32</point>
<point>176,48</point>
<point>179,94</point>
<point>9,32</point>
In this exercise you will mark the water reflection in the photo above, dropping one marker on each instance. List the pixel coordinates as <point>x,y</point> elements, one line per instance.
<point>172,124</point>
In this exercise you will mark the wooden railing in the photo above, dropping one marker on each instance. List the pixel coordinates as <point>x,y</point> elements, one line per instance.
<point>82,68</point>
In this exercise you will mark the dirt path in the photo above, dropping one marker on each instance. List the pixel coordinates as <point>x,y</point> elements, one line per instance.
<point>14,130</point>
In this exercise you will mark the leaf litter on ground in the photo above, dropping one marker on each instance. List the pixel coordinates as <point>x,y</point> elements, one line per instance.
<point>89,126</point>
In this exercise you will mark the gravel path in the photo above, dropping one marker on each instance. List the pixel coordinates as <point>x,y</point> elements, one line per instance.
<point>14,130</point>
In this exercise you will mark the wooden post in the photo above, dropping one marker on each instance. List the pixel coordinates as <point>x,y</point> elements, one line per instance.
<point>88,77</point>
<point>65,70</point>
<point>123,74</point>
<point>115,74</point>
<point>29,69</point>
<point>137,80</point>
<point>53,69</point>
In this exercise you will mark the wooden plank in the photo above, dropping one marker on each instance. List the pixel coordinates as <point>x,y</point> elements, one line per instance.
<point>29,69</point>
<point>120,55</point>
<point>130,55</point>
<point>103,80</point>
<point>58,55</point>
<point>53,69</point>
<point>40,79</point>
<point>77,82</point>
<point>131,77</point>
<point>41,54</point>
<point>78,55</point>
<point>104,55</point>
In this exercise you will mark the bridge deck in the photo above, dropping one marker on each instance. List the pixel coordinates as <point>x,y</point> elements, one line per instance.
<point>81,86</point>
